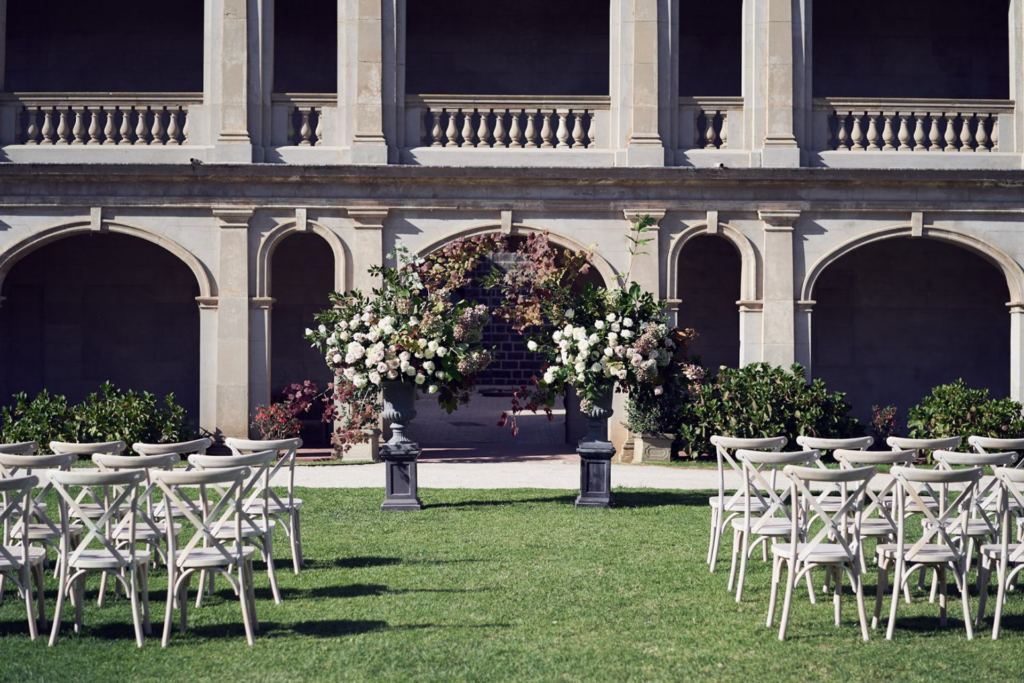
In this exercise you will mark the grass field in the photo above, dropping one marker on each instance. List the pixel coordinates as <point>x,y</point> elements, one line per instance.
<point>508,585</point>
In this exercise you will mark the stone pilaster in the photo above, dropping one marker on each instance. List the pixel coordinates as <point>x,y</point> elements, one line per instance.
<point>369,145</point>
<point>260,350</point>
<point>261,77</point>
<point>1016,350</point>
<point>637,28</point>
<point>369,245</point>
<point>751,325</point>
<point>227,79</point>
<point>803,321</point>
<point>646,267</point>
<point>779,330</point>
<point>232,338</point>
<point>1014,143</point>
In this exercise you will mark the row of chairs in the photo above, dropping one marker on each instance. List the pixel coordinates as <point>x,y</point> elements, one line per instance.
<point>959,512</point>
<point>110,522</point>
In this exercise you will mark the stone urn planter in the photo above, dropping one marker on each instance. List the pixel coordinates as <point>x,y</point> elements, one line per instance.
<point>399,453</point>
<point>652,447</point>
<point>596,453</point>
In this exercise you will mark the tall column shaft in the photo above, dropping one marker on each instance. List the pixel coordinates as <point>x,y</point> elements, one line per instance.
<point>260,351</point>
<point>1015,143</point>
<point>368,142</point>
<point>369,245</point>
<point>1016,350</point>
<point>638,27</point>
<point>227,75</point>
<point>774,79</point>
<point>779,329</point>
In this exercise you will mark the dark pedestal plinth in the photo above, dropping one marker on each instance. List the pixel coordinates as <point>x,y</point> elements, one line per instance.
<point>401,488</point>
<point>595,474</point>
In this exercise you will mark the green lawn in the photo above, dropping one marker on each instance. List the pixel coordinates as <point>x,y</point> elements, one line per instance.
<point>508,585</point>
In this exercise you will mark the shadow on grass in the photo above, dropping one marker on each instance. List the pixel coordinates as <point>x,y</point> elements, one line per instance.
<point>569,498</point>
<point>342,563</point>
<point>357,590</point>
<point>647,499</point>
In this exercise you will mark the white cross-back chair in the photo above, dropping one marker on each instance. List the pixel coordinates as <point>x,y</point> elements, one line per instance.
<point>985,444</point>
<point>257,526</point>
<point>286,510</point>
<point>939,548</point>
<point>829,498</point>
<point>182,449</point>
<point>125,563</point>
<point>1007,558</point>
<point>772,520</point>
<point>207,550</point>
<point>725,507</point>
<point>834,547</point>
<point>21,562</point>
<point>20,448</point>
<point>87,505</point>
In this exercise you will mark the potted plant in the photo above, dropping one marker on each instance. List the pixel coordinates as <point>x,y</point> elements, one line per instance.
<point>408,335</point>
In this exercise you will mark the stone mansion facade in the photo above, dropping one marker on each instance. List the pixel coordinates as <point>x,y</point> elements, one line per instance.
<point>835,184</point>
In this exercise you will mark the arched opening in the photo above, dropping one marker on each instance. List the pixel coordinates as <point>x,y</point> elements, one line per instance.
<point>709,285</point>
<point>91,308</point>
<point>895,318</point>
<point>302,278</point>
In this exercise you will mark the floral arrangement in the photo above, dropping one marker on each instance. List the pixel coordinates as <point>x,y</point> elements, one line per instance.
<point>281,420</point>
<point>883,423</point>
<point>412,328</point>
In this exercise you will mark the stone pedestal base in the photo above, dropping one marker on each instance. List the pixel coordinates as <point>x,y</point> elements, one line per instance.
<point>595,474</point>
<point>401,487</point>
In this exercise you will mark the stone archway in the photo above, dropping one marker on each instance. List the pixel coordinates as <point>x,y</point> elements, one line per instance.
<point>709,283</point>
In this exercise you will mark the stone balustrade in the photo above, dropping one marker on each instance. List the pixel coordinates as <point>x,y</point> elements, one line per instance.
<point>705,121</point>
<point>43,119</point>
<point>300,117</point>
<point>511,122</point>
<point>913,125</point>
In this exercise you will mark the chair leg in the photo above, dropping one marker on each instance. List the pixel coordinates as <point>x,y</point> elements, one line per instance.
<point>810,588</point>
<point>268,557</point>
<point>252,597</point>
<point>744,554</point>
<point>965,597</point>
<point>731,585</point>
<point>897,584</point>
<point>788,602</point>
<point>880,590</point>
<point>133,588</point>
<point>79,602</point>
<point>837,593</point>
<point>186,580</point>
<point>857,579</point>
<point>147,627</point>
<point>776,574</point>
<point>169,608</point>
<point>297,539</point>
<point>40,603</point>
<point>935,581</point>
<point>26,582</point>
<point>243,597</point>
<point>1000,598</point>
<point>202,588</point>
<point>717,540</point>
<point>940,576</point>
<point>103,589</point>
<point>711,533</point>
<point>62,589</point>
<point>983,579</point>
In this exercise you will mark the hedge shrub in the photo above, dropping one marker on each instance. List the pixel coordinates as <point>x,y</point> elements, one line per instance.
<point>957,410</point>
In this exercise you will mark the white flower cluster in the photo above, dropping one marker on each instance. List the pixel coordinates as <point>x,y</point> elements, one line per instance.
<point>364,349</point>
<point>615,348</point>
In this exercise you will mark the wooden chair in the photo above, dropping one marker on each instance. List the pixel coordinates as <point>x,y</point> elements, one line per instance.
<point>1007,558</point>
<point>22,561</point>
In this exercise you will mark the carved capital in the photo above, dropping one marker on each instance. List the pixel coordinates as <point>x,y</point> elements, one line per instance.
<point>778,221</point>
<point>262,303</point>
<point>368,219</point>
<point>233,216</point>
<point>656,214</point>
<point>207,303</point>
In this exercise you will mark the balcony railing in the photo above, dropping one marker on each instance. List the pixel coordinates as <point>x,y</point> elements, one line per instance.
<point>299,118</point>
<point>100,119</point>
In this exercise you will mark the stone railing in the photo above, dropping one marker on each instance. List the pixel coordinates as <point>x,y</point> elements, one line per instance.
<point>299,118</point>
<point>911,125</point>
<point>155,119</point>
<point>496,122</point>
<point>709,122</point>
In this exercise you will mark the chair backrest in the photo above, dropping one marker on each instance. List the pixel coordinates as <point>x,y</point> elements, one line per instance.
<point>985,444</point>
<point>286,448</point>
<point>936,527</point>
<point>207,519</point>
<point>837,525</point>
<point>112,447</point>
<point>20,448</point>
<point>1011,489</point>
<point>899,443</point>
<point>16,508</point>
<point>256,486</point>
<point>987,496</point>
<point>23,465</point>
<point>181,448</point>
<point>755,464</point>
<point>859,443</point>
<point>876,500</point>
<point>117,493</point>
<point>116,463</point>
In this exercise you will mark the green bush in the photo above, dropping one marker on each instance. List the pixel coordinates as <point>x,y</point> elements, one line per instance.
<point>956,410</point>
<point>761,400</point>
<point>109,415</point>
<point>649,413</point>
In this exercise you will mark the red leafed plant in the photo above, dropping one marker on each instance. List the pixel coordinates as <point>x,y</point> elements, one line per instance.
<point>281,420</point>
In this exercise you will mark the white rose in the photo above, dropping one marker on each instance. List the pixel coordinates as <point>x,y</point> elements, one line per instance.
<point>570,313</point>
<point>608,351</point>
<point>343,324</point>
<point>374,377</point>
<point>308,331</point>
<point>441,351</point>
<point>420,379</point>
<point>659,390</point>
<point>359,381</point>
<point>616,327</point>
<point>596,367</point>
<point>429,353</point>
<point>439,374</point>
<point>337,358</point>
<point>532,345</point>
<point>404,355</point>
<point>323,329</point>
<point>433,345</point>
<point>628,322</point>
<point>584,345</point>
<point>626,334</point>
<point>410,370</point>
<point>599,324</point>
<point>611,317</point>
<point>392,374</point>
<point>557,336</point>
<point>593,339</point>
<point>432,389</point>
<point>428,366</point>
<point>549,377</point>
<point>580,367</point>
<point>382,368</point>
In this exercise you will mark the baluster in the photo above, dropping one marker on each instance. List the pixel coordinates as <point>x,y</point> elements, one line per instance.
<point>563,129</point>
<point>32,131</point>
<point>436,133</point>
<point>78,130</point>
<point>141,127</point>
<point>48,130</point>
<point>577,130</point>
<point>546,133</point>
<point>982,134</point>
<point>184,127</point>
<point>173,131</point>
<point>872,132</point>
<point>858,135</point>
<point>109,129</point>
<point>484,131</point>
<point>531,129</point>
<point>842,138</point>
<point>966,138</point>
<point>305,132</point>
<point>318,132</point>
<point>934,139</point>
<point>515,134</point>
<point>499,127</point>
<point>950,132</point>
<point>158,126</point>
<point>63,130</point>
<point>919,134</point>
<point>95,133</point>
<point>724,135</point>
<point>467,129</point>
<point>888,135</point>
<point>995,133</point>
<point>904,134</point>
<point>709,130</point>
<point>592,131</point>
<point>452,133</point>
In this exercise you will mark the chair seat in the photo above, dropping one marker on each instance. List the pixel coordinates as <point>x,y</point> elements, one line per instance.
<point>830,504</point>
<point>42,532</point>
<point>35,556</point>
<point>975,528</point>
<point>144,532</point>
<point>929,554</point>
<point>737,506</point>
<point>781,528</point>
<point>90,510</point>
<point>258,528</point>
<point>823,553</point>
<point>176,511</point>
<point>104,559</point>
<point>889,501</point>
<point>875,527</point>
<point>995,550</point>
<point>200,558</point>
<point>275,508</point>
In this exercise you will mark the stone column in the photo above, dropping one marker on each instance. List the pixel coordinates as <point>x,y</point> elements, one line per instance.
<point>226,84</point>
<point>261,77</point>
<point>804,309</point>
<point>779,331</point>
<point>260,350</point>
<point>208,364</point>
<point>368,249</point>
<point>232,340</point>
<point>636,88</point>
<point>369,145</point>
<point>751,325</point>
<point>1016,350</point>
<point>1011,138</point>
<point>774,80</point>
